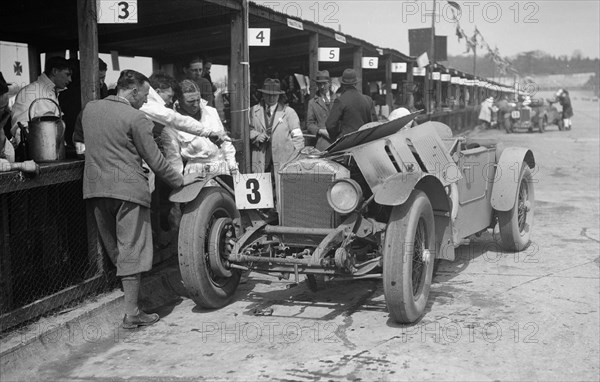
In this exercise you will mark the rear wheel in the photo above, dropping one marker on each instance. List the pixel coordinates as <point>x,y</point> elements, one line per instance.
<point>408,257</point>
<point>204,244</point>
<point>516,224</point>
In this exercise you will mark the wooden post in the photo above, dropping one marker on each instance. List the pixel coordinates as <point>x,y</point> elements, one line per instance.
<point>35,65</point>
<point>427,88</point>
<point>438,93</point>
<point>313,61</point>
<point>389,97</point>
<point>239,86</point>
<point>155,65</point>
<point>88,50</point>
<point>409,101</point>
<point>357,65</point>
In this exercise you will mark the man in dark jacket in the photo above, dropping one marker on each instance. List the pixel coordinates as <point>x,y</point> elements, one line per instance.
<point>351,109</point>
<point>567,110</point>
<point>318,110</point>
<point>118,137</point>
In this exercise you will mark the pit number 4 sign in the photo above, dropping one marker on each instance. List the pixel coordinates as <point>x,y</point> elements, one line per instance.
<point>253,191</point>
<point>117,11</point>
<point>259,36</point>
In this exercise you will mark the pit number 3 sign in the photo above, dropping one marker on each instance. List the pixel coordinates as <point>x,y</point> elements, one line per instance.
<point>253,191</point>
<point>117,11</point>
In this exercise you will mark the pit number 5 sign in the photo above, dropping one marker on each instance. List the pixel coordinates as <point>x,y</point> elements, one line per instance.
<point>117,11</point>
<point>253,191</point>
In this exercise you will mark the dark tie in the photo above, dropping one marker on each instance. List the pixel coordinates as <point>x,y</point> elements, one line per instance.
<point>269,113</point>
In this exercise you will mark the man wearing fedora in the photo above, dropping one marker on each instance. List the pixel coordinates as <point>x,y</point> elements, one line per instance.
<point>351,109</point>
<point>275,132</point>
<point>319,108</point>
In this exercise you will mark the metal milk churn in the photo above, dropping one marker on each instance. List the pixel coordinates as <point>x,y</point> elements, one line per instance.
<point>46,135</point>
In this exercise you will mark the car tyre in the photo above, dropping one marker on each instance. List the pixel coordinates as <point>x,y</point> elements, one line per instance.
<point>204,234</point>
<point>516,224</point>
<point>408,258</point>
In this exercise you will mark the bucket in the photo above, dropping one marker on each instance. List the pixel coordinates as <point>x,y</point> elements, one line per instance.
<point>46,135</point>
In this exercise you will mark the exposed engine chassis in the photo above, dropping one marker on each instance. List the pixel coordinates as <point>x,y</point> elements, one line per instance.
<point>350,251</point>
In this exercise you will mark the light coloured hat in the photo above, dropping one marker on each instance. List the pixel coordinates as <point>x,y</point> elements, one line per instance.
<point>398,113</point>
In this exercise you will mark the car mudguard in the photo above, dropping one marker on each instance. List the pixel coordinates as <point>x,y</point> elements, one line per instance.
<point>186,194</point>
<point>396,189</point>
<point>504,192</point>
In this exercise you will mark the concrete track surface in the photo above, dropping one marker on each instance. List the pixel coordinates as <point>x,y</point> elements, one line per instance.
<point>491,316</point>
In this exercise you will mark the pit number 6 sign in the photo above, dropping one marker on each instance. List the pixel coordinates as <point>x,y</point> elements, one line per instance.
<point>253,191</point>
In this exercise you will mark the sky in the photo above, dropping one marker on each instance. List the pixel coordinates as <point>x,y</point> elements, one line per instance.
<point>558,27</point>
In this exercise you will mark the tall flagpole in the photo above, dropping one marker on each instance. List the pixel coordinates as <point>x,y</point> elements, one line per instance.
<point>432,46</point>
<point>429,93</point>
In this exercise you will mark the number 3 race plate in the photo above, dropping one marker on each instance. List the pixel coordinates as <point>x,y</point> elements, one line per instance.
<point>253,191</point>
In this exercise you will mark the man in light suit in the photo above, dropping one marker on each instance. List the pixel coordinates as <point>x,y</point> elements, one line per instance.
<point>275,133</point>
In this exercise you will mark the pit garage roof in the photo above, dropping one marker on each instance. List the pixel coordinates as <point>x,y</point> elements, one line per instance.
<point>169,30</point>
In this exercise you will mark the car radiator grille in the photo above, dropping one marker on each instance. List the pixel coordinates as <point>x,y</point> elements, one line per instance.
<point>304,201</point>
<point>525,115</point>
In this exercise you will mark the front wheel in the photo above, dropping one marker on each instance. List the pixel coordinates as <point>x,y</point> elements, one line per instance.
<point>408,257</point>
<point>204,242</point>
<point>516,224</point>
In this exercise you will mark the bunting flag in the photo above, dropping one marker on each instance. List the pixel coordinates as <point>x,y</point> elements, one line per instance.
<point>472,42</point>
<point>454,5</point>
<point>460,33</point>
<point>482,40</point>
<point>477,39</point>
<point>455,8</point>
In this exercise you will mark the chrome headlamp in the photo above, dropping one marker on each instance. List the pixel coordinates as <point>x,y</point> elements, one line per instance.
<point>344,196</point>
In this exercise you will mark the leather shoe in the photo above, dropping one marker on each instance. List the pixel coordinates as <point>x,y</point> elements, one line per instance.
<point>140,319</point>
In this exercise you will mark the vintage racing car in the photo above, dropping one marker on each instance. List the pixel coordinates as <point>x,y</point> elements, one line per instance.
<point>528,117</point>
<point>383,202</point>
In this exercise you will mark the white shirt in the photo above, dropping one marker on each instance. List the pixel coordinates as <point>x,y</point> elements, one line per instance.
<point>199,153</point>
<point>43,87</point>
<point>156,111</point>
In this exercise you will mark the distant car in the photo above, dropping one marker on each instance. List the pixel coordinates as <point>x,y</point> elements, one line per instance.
<point>527,117</point>
<point>385,202</point>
